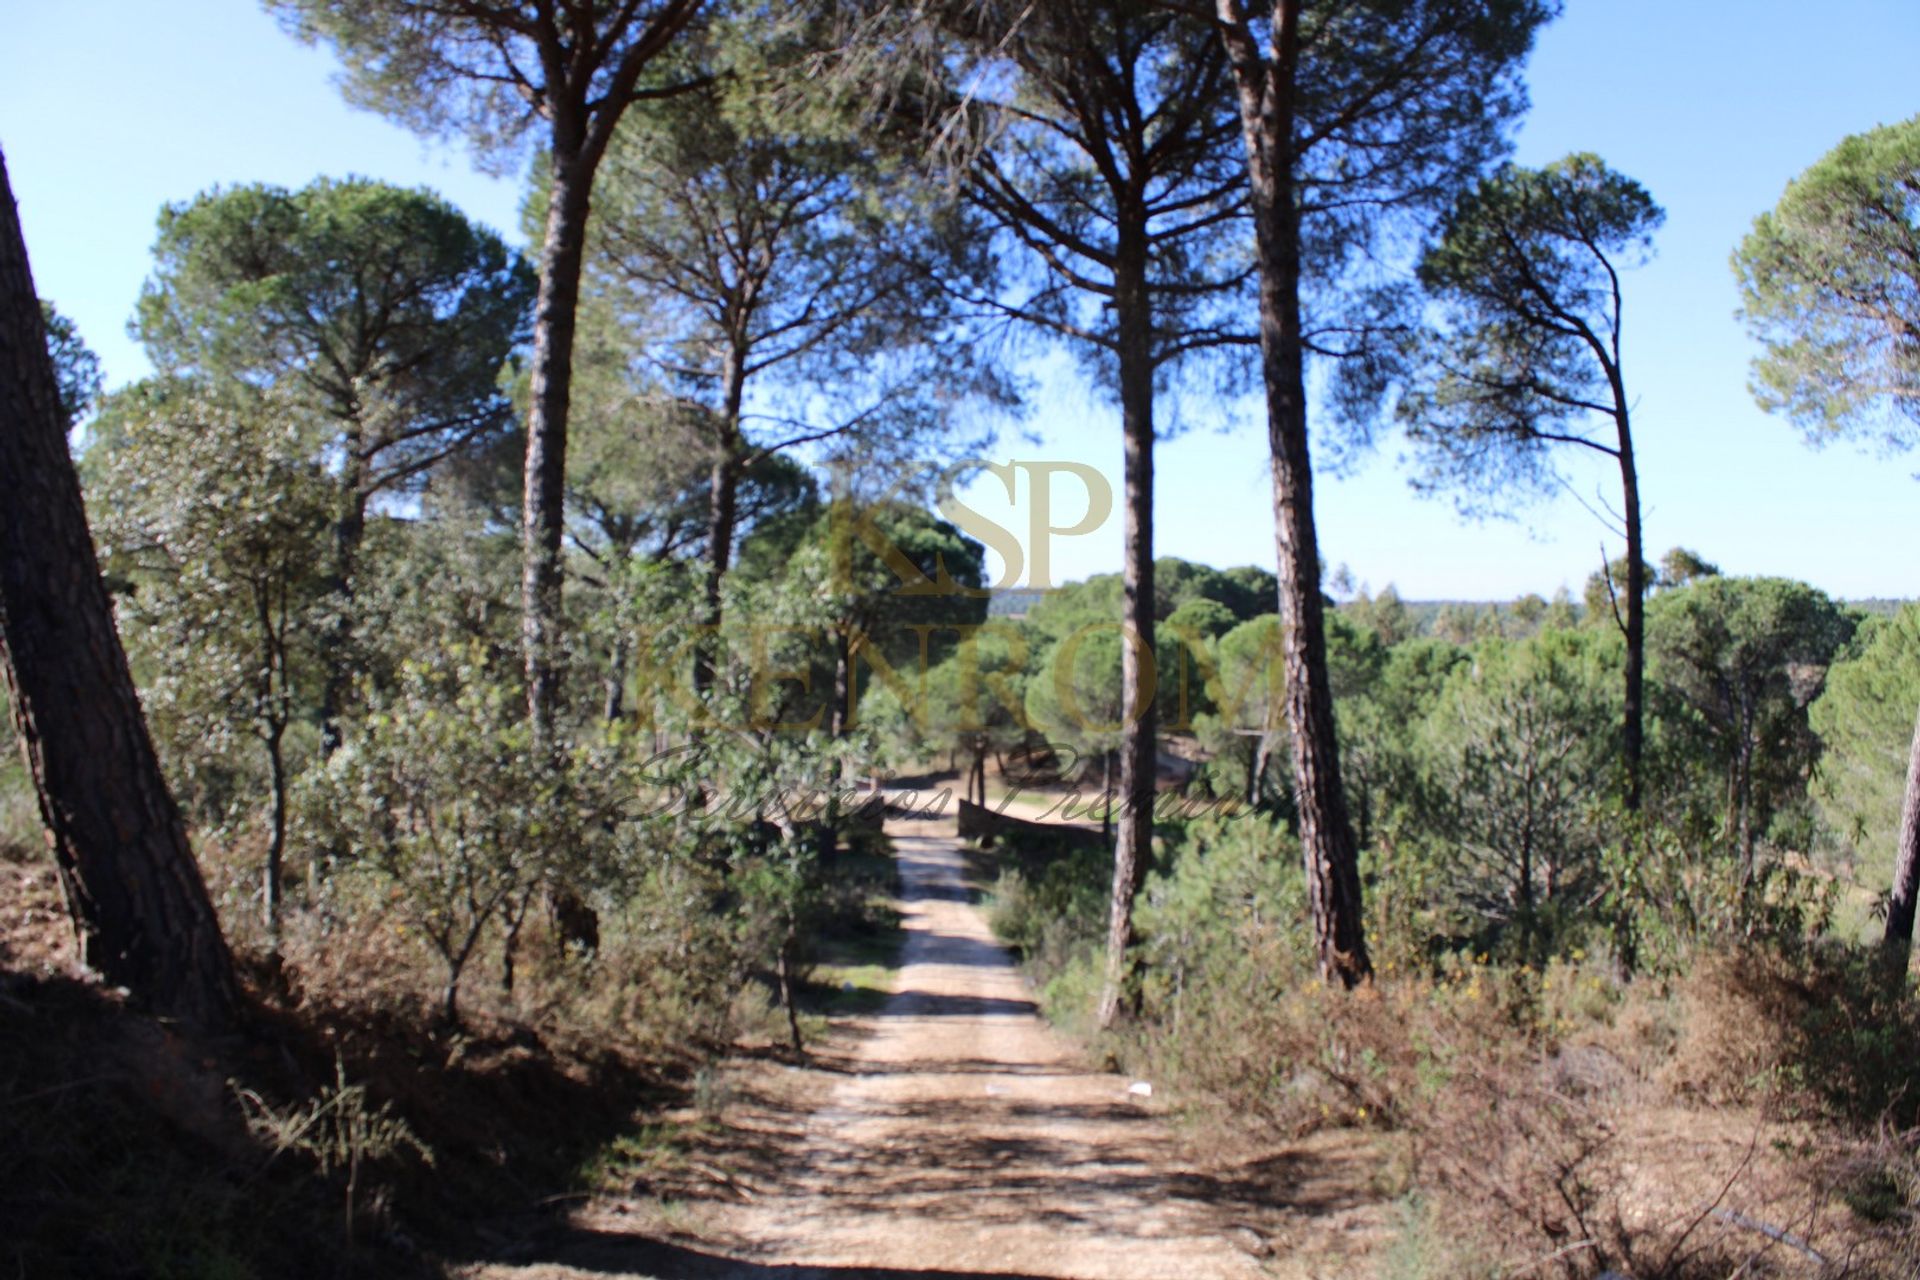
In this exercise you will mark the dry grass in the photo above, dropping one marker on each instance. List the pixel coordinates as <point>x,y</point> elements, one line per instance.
<point>128,1149</point>
<point>1564,1125</point>
<point>1755,1118</point>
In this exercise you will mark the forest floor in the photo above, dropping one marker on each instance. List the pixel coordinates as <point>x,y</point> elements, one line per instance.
<point>952,1133</point>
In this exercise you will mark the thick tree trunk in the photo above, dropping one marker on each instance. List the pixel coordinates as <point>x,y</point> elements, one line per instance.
<point>1906,862</point>
<point>138,903</point>
<point>1133,843</point>
<point>1326,831</point>
<point>543,509</point>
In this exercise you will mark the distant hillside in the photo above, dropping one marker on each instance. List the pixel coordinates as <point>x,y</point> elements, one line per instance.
<point>1014,603</point>
<point>1458,618</point>
<point>1422,615</point>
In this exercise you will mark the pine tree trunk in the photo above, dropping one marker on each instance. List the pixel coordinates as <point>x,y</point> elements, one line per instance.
<point>1133,843</point>
<point>1326,832</point>
<point>274,710</point>
<point>543,510</point>
<point>273,891</point>
<point>1743,790</point>
<point>1106,797</point>
<point>1633,733</point>
<point>614,704</point>
<point>723,512</point>
<point>1906,866</point>
<point>1257,770</point>
<point>841,713</point>
<point>137,900</point>
<point>784,973</point>
<point>723,488</point>
<point>336,644</point>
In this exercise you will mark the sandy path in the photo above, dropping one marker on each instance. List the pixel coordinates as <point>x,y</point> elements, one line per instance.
<point>952,1134</point>
<point>969,1139</point>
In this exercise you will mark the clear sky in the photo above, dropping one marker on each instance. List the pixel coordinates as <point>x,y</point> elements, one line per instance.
<point>109,108</point>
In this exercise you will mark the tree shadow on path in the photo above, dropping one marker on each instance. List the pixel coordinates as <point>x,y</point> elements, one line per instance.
<point>612,1254</point>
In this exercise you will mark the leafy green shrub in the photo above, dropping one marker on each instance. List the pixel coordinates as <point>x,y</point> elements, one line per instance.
<point>1221,919</point>
<point>439,796</point>
<point>1048,904</point>
<point>1864,719</point>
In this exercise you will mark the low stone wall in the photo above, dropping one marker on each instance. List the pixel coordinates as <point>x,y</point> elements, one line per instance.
<point>869,812</point>
<point>978,822</point>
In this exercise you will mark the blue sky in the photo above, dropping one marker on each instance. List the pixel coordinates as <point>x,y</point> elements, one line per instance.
<point>109,108</point>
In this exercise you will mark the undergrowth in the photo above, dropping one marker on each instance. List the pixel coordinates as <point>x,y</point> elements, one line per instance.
<point>348,1129</point>
<point>1751,1108</point>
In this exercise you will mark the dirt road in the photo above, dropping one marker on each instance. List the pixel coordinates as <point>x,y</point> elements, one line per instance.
<point>969,1139</point>
<point>952,1133</point>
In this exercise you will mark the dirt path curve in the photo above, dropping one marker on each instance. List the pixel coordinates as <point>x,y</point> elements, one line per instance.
<point>968,1138</point>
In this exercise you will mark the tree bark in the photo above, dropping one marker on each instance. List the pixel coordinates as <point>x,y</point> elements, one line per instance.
<point>336,644</point>
<point>273,711</point>
<point>614,703</point>
<point>723,489</point>
<point>783,971</point>
<point>1133,843</point>
<point>1257,776</point>
<point>139,905</point>
<point>543,508</point>
<point>723,495</point>
<point>1633,734</point>
<point>1326,832</point>
<point>843,692</point>
<point>510,944</point>
<point>1906,864</point>
<point>1743,799</point>
<point>1106,797</point>
<point>272,890</point>
<point>723,516</point>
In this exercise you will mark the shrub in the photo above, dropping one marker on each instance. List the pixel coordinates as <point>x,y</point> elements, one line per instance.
<point>1823,1029</point>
